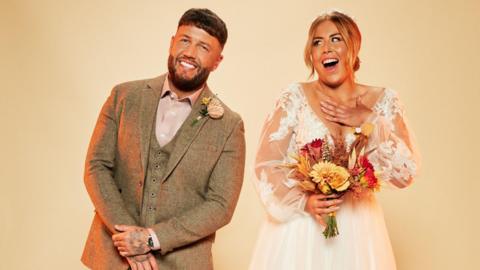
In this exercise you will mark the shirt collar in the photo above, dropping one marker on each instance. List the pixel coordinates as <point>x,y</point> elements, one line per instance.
<point>166,91</point>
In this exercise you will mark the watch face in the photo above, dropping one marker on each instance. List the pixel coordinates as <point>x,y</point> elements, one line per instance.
<point>150,242</point>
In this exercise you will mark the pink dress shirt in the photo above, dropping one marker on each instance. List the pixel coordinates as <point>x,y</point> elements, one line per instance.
<point>172,112</point>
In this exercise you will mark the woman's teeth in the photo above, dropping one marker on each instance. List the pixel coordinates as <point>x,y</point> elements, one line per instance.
<point>329,62</point>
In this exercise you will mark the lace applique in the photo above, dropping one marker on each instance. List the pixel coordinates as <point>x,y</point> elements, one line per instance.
<point>265,189</point>
<point>290,103</point>
<point>394,161</point>
<point>280,210</point>
<point>392,158</point>
<point>389,106</point>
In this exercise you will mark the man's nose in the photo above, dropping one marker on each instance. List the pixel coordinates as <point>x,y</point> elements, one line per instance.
<point>190,51</point>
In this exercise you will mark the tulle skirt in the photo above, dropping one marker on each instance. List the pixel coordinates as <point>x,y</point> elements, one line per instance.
<point>363,242</point>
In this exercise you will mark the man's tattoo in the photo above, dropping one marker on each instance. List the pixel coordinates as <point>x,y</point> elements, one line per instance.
<point>138,242</point>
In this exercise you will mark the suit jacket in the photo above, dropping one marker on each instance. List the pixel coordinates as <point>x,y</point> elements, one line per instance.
<point>198,192</point>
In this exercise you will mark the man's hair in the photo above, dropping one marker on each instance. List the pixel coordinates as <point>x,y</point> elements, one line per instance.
<point>207,20</point>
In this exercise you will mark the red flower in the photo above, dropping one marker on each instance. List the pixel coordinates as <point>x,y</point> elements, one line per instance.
<point>313,150</point>
<point>365,163</point>
<point>317,143</point>
<point>372,180</point>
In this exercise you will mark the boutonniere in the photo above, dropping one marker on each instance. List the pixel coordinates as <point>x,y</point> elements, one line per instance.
<point>211,107</point>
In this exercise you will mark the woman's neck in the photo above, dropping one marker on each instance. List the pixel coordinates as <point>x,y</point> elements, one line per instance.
<point>344,93</point>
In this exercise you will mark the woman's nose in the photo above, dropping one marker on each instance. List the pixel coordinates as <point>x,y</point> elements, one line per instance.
<point>326,47</point>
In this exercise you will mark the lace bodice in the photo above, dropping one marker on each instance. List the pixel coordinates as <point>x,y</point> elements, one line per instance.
<point>293,123</point>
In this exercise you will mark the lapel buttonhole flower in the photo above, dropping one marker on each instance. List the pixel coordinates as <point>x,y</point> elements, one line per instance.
<point>212,108</point>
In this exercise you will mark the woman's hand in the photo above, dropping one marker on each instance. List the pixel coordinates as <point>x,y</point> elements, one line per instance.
<point>319,205</point>
<point>344,115</point>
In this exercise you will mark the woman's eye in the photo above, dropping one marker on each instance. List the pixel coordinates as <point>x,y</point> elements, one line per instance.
<point>316,42</point>
<point>336,39</point>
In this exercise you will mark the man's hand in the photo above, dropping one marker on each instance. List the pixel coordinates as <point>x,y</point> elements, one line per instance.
<point>143,262</point>
<point>131,240</point>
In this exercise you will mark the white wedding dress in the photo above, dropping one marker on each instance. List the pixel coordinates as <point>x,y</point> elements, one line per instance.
<point>290,239</point>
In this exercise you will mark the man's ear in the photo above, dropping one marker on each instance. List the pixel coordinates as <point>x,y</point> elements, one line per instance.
<point>217,62</point>
<point>171,43</point>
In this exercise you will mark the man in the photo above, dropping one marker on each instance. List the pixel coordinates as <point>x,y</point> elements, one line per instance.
<point>165,163</point>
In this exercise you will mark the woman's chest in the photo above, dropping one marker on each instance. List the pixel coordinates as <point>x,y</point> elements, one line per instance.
<point>310,126</point>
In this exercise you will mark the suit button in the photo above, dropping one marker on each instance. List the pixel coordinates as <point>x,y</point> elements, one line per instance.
<point>153,195</point>
<point>154,180</point>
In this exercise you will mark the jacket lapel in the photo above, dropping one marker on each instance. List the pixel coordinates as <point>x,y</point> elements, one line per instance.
<point>148,111</point>
<point>187,133</point>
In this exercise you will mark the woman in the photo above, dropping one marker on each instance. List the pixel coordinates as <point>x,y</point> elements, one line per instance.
<point>334,106</point>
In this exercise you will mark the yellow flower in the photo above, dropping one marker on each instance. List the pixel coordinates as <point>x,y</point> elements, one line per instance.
<point>324,188</point>
<point>206,100</point>
<point>335,176</point>
<point>302,165</point>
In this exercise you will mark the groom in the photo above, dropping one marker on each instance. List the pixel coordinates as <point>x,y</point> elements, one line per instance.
<point>165,163</point>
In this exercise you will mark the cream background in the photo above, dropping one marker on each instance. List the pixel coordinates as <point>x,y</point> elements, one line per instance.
<point>59,60</point>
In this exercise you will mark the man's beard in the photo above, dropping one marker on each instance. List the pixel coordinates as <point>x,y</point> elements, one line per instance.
<point>186,85</point>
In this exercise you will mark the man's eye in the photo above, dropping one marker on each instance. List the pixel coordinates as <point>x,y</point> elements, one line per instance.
<point>204,48</point>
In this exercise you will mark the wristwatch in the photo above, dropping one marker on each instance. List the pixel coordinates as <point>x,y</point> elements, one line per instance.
<point>150,241</point>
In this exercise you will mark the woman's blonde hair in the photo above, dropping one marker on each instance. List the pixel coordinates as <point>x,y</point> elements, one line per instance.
<point>349,31</point>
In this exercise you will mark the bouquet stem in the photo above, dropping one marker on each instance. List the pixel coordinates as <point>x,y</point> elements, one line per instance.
<point>331,230</point>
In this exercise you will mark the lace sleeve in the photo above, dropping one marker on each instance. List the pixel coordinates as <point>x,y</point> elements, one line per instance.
<point>395,155</point>
<point>283,201</point>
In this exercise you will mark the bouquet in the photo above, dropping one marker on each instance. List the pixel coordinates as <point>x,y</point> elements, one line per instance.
<point>319,168</point>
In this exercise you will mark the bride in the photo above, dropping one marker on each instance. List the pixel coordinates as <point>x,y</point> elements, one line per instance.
<point>332,106</point>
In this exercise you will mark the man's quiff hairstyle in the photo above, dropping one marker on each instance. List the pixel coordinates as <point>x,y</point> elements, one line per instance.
<point>208,21</point>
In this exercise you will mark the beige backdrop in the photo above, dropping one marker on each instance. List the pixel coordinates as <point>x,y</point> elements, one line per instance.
<point>59,60</point>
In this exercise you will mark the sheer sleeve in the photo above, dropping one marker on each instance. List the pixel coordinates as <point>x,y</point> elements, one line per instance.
<point>395,155</point>
<point>283,201</point>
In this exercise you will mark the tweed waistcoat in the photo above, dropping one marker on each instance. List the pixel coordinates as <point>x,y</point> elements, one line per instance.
<point>157,162</point>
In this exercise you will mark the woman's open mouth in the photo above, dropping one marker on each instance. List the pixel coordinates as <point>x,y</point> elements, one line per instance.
<point>330,63</point>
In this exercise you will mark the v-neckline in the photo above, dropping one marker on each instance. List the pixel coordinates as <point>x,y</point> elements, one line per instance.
<point>320,120</point>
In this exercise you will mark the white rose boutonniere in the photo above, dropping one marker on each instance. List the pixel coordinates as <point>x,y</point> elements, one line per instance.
<point>212,108</point>
<point>215,109</point>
